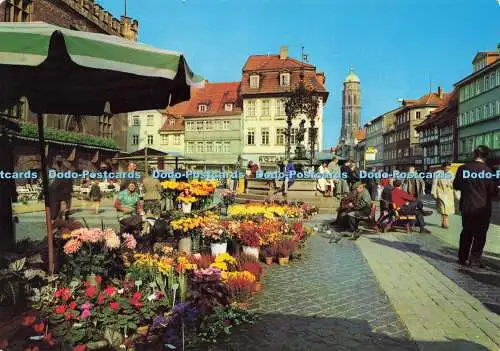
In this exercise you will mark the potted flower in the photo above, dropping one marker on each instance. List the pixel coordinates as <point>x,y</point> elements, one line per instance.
<point>269,254</point>
<point>215,233</point>
<point>228,197</point>
<point>249,237</point>
<point>284,249</point>
<point>186,200</point>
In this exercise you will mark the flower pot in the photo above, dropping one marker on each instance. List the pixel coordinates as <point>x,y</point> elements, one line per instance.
<point>185,245</point>
<point>269,260</point>
<point>186,208</point>
<point>218,248</point>
<point>283,261</point>
<point>253,251</point>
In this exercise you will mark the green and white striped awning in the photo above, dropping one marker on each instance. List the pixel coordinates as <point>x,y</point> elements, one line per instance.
<point>53,50</point>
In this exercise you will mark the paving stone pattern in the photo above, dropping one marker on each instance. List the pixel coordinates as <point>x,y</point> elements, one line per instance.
<point>434,309</point>
<point>483,284</point>
<point>329,300</point>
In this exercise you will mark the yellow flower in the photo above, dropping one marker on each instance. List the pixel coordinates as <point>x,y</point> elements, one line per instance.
<point>221,265</point>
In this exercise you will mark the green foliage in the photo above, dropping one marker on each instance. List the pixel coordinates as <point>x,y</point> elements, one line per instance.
<point>31,131</point>
<point>221,322</point>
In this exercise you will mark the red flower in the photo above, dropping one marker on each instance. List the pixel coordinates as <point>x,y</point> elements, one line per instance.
<point>29,320</point>
<point>136,296</point>
<point>136,303</point>
<point>72,305</point>
<point>110,291</point>
<point>39,328</point>
<point>81,347</point>
<point>90,291</point>
<point>48,339</point>
<point>68,316</point>
<point>98,280</point>
<point>100,299</point>
<point>60,309</point>
<point>63,293</point>
<point>115,306</point>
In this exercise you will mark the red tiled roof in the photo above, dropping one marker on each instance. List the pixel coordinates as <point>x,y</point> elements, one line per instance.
<point>269,68</point>
<point>178,125</point>
<point>215,96</point>
<point>181,108</point>
<point>448,103</point>
<point>360,134</point>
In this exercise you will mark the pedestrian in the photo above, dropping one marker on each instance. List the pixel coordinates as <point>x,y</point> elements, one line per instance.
<point>95,196</point>
<point>443,193</point>
<point>414,184</point>
<point>475,206</point>
<point>334,169</point>
<point>407,204</point>
<point>131,168</point>
<point>152,194</point>
<point>324,183</point>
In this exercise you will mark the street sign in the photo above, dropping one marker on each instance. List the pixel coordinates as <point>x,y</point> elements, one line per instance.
<point>369,156</point>
<point>371,150</point>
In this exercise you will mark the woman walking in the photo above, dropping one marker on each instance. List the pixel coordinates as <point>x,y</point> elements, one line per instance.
<point>95,196</point>
<point>443,192</point>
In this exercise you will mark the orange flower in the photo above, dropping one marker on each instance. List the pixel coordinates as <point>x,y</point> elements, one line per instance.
<point>29,320</point>
<point>39,328</point>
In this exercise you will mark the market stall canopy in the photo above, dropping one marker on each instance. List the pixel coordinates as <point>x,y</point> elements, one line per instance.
<point>62,71</point>
<point>327,156</point>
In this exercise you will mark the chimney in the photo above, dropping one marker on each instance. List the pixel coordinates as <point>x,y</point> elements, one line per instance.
<point>440,92</point>
<point>321,77</point>
<point>283,52</point>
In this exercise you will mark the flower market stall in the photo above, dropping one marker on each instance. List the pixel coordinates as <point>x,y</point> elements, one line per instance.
<point>111,293</point>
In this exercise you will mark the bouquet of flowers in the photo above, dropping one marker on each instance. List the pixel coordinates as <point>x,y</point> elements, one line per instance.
<point>249,234</point>
<point>186,198</point>
<point>215,232</point>
<point>228,197</point>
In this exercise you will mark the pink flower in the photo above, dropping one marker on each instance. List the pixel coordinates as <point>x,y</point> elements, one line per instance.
<point>91,235</point>
<point>72,246</point>
<point>110,291</point>
<point>130,242</point>
<point>115,306</point>
<point>86,306</point>
<point>85,314</point>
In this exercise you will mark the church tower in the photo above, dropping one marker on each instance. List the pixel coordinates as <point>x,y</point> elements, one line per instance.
<point>351,108</point>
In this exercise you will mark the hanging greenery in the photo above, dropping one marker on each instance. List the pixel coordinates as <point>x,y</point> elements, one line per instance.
<point>31,131</point>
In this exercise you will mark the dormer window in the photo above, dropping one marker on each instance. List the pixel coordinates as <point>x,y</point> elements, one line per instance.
<point>228,107</point>
<point>202,108</point>
<point>254,81</point>
<point>285,79</point>
<point>172,122</point>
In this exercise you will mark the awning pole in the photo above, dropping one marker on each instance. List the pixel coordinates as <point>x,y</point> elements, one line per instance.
<point>45,183</point>
<point>176,163</point>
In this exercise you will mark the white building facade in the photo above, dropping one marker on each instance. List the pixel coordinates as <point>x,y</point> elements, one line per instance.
<point>143,130</point>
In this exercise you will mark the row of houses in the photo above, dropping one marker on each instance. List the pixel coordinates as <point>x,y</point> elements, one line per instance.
<point>439,127</point>
<point>226,123</point>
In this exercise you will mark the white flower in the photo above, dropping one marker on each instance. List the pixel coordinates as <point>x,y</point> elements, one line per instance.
<point>121,291</point>
<point>152,297</point>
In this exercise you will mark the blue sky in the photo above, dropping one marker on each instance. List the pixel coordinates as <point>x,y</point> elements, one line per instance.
<point>395,46</point>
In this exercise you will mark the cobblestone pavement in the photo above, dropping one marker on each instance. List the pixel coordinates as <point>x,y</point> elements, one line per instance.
<point>483,284</point>
<point>433,307</point>
<point>328,300</point>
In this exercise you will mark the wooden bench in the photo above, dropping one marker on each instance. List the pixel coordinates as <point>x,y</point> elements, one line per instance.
<point>394,219</point>
<point>370,220</point>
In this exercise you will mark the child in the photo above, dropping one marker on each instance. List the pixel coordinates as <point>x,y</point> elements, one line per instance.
<point>95,196</point>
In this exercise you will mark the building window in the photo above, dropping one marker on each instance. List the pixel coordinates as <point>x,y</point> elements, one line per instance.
<point>164,139</point>
<point>189,126</point>
<point>209,125</point>
<point>172,122</point>
<point>498,76</point>
<point>199,125</point>
<point>228,107</point>
<point>251,137</point>
<point>478,88</point>
<point>280,108</point>
<point>218,147</point>
<point>254,81</point>
<point>293,136</point>
<point>251,108</point>
<point>135,139</point>
<point>218,125</point>
<point>150,140</point>
<point>190,147</point>
<point>418,114</point>
<point>265,136</point>
<point>149,121</point>
<point>177,139</point>
<point>202,108</point>
<point>265,108</point>
<point>18,10</point>
<point>285,79</point>
<point>209,146</point>
<point>227,147</point>
<point>486,83</point>
<point>136,121</point>
<point>199,147</point>
<point>225,125</point>
<point>280,136</point>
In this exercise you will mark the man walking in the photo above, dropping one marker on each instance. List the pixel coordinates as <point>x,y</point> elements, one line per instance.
<point>475,206</point>
<point>414,184</point>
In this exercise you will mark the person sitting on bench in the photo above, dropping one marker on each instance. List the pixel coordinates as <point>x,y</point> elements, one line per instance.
<point>406,204</point>
<point>359,208</point>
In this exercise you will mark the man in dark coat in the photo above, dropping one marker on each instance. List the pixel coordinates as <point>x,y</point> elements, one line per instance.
<point>475,206</point>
